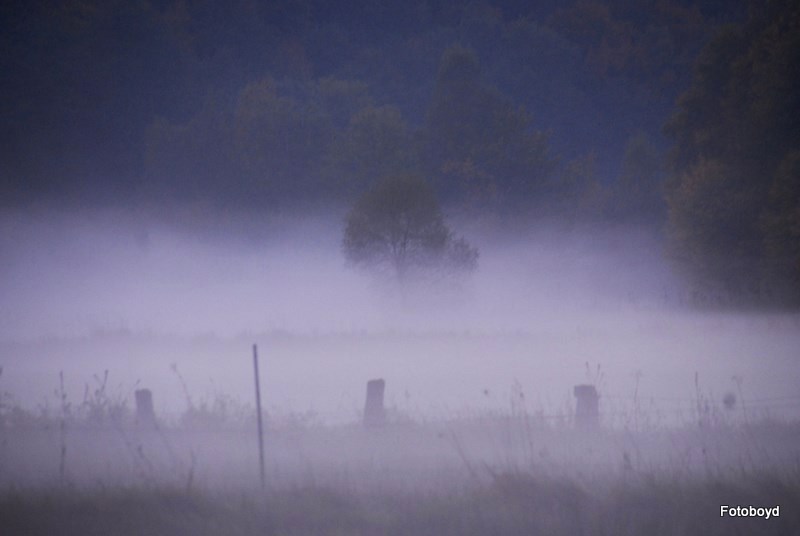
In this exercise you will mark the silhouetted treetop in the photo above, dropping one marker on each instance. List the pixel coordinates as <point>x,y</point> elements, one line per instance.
<point>397,228</point>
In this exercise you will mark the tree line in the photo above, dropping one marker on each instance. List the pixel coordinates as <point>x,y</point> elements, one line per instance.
<point>734,188</point>
<point>554,109</point>
<point>242,101</point>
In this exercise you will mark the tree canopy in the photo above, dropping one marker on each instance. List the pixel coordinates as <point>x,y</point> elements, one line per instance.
<point>108,100</point>
<point>480,139</point>
<point>397,228</point>
<point>733,194</point>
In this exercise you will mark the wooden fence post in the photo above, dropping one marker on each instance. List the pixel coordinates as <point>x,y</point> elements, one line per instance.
<point>145,413</point>
<point>587,409</point>
<point>374,413</point>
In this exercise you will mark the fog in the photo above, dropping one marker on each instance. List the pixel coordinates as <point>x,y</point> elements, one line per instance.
<point>70,275</point>
<point>490,267</point>
<point>159,298</point>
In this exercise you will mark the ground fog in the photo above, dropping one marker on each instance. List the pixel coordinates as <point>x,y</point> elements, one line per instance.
<point>699,405</point>
<point>174,302</point>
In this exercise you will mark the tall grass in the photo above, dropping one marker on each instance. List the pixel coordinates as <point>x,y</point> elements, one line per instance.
<point>511,504</point>
<point>91,468</point>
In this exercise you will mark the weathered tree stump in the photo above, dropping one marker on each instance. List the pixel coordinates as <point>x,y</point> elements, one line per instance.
<point>374,413</point>
<point>145,414</point>
<point>587,409</point>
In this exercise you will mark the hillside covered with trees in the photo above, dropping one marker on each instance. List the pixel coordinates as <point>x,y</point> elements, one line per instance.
<point>734,192</point>
<point>269,103</point>
<point>517,109</point>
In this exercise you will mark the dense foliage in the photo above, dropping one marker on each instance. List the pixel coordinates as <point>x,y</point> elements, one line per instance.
<point>506,107</point>
<point>734,195</point>
<point>397,228</point>
<point>505,104</point>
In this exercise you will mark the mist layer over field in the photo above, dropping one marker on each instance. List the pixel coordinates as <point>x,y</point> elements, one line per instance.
<point>698,406</point>
<point>74,275</point>
<point>171,298</point>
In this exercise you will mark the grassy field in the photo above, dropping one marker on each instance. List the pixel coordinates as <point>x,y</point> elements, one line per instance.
<point>512,504</point>
<point>90,467</point>
<point>496,474</point>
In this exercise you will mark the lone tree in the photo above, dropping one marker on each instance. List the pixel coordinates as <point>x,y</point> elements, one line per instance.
<point>397,227</point>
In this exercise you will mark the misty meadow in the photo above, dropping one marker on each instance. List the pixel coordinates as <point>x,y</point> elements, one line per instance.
<point>493,267</point>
